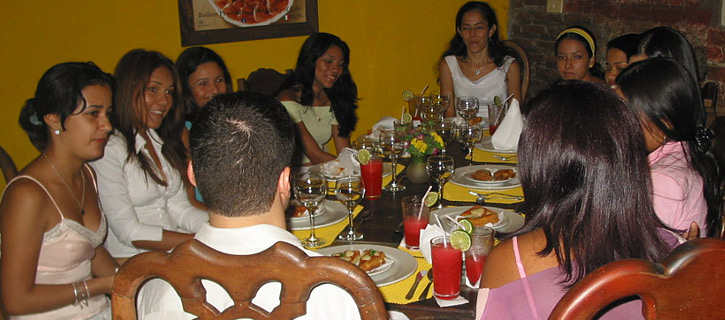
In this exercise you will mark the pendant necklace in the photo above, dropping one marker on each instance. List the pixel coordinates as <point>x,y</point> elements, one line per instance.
<point>83,197</point>
<point>478,71</point>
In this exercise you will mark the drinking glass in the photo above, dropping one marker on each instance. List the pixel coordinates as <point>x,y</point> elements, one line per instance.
<point>447,267</point>
<point>310,189</point>
<point>481,245</point>
<point>415,218</point>
<point>392,145</point>
<point>471,134</point>
<point>447,130</point>
<point>440,169</point>
<point>442,101</point>
<point>349,191</point>
<point>467,107</point>
<point>495,116</point>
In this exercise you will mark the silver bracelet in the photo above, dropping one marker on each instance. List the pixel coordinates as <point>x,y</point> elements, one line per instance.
<point>86,296</point>
<point>75,292</point>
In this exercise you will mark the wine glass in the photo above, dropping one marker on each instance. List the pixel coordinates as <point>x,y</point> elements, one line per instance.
<point>392,145</point>
<point>310,188</point>
<point>467,107</point>
<point>447,130</point>
<point>440,169</point>
<point>442,100</point>
<point>349,191</point>
<point>471,134</point>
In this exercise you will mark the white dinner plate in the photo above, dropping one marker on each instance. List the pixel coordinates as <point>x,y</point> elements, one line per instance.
<point>462,178</point>
<point>469,177</point>
<point>403,263</point>
<point>306,216</point>
<point>510,220</point>
<point>486,145</point>
<point>334,213</point>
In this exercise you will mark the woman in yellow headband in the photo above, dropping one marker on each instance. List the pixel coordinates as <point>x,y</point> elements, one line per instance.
<point>576,56</point>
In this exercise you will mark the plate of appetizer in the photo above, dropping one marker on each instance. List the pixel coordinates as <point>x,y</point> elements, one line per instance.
<point>332,212</point>
<point>397,264</point>
<point>501,220</point>
<point>491,176</point>
<point>475,177</point>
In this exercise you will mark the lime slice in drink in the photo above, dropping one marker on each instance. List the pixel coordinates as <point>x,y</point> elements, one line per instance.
<point>466,225</point>
<point>406,118</point>
<point>408,95</point>
<point>431,199</point>
<point>363,156</point>
<point>497,100</point>
<point>460,240</point>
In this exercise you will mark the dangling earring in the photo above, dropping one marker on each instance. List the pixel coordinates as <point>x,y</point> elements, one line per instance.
<point>56,132</point>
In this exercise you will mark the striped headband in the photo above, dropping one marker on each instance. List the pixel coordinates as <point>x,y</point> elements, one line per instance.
<point>584,35</point>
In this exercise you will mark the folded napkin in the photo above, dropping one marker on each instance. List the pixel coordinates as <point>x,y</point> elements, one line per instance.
<point>385,123</point>
<point>346,164</point>
<point>507,134</point>
<point>430,232</point>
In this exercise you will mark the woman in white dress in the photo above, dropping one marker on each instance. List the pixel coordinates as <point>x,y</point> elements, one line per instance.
<point>53,263</point>
<point>476,62</point>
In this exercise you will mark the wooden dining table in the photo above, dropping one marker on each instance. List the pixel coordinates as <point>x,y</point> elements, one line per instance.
<point>381,222</point>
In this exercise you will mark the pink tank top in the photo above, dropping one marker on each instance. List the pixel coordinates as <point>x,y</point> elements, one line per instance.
<point>65,257</point>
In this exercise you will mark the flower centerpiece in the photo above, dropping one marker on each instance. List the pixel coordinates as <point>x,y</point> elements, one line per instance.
<point>421,144</point>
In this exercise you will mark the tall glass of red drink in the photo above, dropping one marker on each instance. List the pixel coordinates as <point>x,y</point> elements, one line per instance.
<point>447,263</point>
<point>415,218</point>
<point>481,244</point>
<point>372,175</point>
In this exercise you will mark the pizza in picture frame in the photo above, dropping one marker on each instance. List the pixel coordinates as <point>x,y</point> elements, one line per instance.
<point>250,13</point>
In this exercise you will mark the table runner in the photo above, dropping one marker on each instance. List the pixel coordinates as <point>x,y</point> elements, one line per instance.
<point>330,232</point>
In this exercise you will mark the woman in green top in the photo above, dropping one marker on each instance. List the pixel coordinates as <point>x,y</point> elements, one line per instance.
<point>321,97</point>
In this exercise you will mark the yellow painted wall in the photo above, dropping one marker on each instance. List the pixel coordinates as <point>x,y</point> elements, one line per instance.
<point>395,45</point>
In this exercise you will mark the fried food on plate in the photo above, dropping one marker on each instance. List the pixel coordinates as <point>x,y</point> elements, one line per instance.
<point>480,216</point>
<point>367,260</point>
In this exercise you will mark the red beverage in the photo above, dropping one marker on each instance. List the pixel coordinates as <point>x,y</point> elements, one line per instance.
<point>447,263</point>
<point>492,129</point>
<point>474,267</point>
<point>372,176</point>
<point>412,227</point>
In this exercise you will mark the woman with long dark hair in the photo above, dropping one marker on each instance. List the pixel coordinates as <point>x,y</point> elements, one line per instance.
<point>583,168</point>
<point>53,263</point>
<point>619,50</point>
<point>685,178</point>
<point>666,42</point>
<point>321,97</point>
<point>576,55</point>
<point>476,62</point>
<point>141,177</point>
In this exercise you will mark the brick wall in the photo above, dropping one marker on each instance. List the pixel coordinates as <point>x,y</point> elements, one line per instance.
<point>699,20</point>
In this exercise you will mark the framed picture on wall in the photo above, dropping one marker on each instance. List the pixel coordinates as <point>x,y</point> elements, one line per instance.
<point>217,21</point>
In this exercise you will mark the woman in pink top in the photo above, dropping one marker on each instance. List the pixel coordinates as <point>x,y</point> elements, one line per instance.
<point>53,265</point>
<point>685,183</point>
<point>583,168</point>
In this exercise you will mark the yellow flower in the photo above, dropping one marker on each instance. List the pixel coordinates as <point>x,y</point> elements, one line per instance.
<point>437,138</point>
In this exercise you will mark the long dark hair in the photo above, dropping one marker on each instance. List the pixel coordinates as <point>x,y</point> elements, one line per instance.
<point>342,95</point>
<point>59,91</point>
<point>628,43</point>
<point>496,49</point>
<point>596,70</point>
<point>583,168</point>
<point>186,63</point>
<point>669,43</point>
<point>666,94</point>
<point>132,76</point>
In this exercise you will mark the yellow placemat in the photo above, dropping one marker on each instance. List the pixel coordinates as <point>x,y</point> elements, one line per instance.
<point>330,232</point>
<point>395,293</point>
<point>487,156</point>
<point>454,192</point>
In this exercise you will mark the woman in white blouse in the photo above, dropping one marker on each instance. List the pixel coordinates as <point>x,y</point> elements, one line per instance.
<point>141,176</point>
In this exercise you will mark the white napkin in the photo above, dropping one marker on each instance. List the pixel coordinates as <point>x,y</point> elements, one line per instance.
<point>507,134</point>
<point>453,302</point>
<point>346,164</point>
<point>385,123</point>
<point>430,232</point>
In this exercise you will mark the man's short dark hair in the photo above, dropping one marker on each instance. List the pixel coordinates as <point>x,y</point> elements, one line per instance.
<point>240,143</point>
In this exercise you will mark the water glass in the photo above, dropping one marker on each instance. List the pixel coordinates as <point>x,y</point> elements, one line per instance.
<point>392,146</point>
<point>481,245</point>
<point>415,218</point>
<point>467,107</point>
<point>349,191</point>
<point>310,189</point>
<point>447,131</point>
<point>440,169</point>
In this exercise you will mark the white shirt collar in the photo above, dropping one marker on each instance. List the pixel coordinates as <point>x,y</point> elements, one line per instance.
<point>247,240</point>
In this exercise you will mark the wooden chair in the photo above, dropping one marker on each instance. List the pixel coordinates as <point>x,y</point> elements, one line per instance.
<point>523,59</point>
<point>7,165</point>
<point>267,81</point>
<point>241,276</point>
<point>686,285</point>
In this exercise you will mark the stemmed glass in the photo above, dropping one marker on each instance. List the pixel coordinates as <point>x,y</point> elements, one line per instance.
<point>349,191</point>
<point>440,169</point>
<point>442,101</point>
<point>391,145</point>
<point>467,107</point>
<point>470,134</point>
<point>447,130</point>
<point>310,189</point>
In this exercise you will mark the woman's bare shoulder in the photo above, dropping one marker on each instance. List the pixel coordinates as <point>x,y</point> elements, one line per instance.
<point>288,95</point>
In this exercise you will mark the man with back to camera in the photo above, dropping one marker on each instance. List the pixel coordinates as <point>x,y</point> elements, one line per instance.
<point>241,148</point>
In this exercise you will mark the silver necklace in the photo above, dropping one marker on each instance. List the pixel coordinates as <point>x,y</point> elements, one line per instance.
<point>478,71</point>
<point>83,196</point>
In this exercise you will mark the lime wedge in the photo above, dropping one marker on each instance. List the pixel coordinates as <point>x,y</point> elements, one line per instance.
<point>406,118</point>
<point>408,95</point>
<point>497,100</point>
<point>363,156</point>
<point>467,225</point>
<point>460,240</point>
<point>431,199</point>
